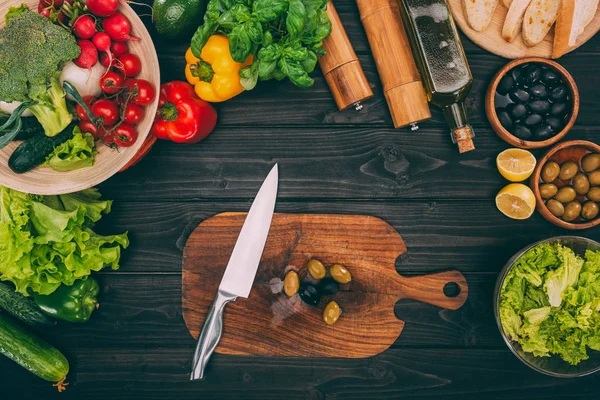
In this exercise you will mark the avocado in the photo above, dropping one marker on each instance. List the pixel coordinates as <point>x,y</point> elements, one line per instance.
<point>178,19</point>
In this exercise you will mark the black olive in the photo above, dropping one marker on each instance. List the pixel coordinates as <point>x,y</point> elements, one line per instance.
<point>309,294</point>
<point>516,74</point>
<point>522,132</point>
<point>533,120</point>
<point>555,123</point>
<point>519,96</point>
<point>543,132</point>
<point>549,77</point>
<point>505,84</point>
<point>516,111</point>
<point>539,106</point>
<point>532,73</point>
<point>559,109</point>
<point>328,286</point>
<point>504,118</point>
<point>539,91</point>
<point>558,93</point>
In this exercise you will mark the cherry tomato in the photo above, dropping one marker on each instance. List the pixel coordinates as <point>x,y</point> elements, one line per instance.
<point>130,64</point>
<point>134,114</point>
<point>143,91</point>
<point>87,126</point>
<point>81,114</point>
<point>107,110</point>
<point>125,135</point>
<point>119,48</point>
<point>111,83</point>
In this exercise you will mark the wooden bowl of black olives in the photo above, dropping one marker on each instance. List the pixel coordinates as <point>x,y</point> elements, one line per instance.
<point>566,185</point>
<point>532,102</point>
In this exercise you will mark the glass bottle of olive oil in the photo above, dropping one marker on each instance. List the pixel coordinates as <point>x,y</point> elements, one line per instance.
<point>442,63</point>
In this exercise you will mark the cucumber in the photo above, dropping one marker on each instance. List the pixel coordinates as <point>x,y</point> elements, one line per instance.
<point>30,127</point>
<point>23,307</point>
<point>32,352</point>
<point>34,151</point>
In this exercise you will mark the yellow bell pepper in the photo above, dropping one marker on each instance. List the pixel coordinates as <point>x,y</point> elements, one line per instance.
<point>215,75</point>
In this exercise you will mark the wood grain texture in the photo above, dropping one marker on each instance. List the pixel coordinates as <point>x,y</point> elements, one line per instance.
<point>491,38</point>
<point>270,323</point>
<point>43,180</point>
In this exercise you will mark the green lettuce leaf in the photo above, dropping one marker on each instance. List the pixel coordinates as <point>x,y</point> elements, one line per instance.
<point>77,152</point>
<point>563,277</point>
<point>46,241</point>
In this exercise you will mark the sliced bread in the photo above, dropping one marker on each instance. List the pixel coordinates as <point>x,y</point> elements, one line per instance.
<point>507,3</point>
<point>514,19</point>
<point>573,17</point>
<point>539,18</point>
<point>479,12</point>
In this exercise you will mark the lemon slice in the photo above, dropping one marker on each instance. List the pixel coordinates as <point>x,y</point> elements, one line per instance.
<point>516,165</point>
<point>516,201</point>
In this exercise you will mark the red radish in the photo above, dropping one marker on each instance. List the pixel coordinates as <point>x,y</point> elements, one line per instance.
<point>89,55</point>
<point>119,48</point>
<point>107,61</point>
<point>102,41</point>
<point>130,64</point>
<point>51,3</point>
<point>118,27</point>
<point>102,8</point>
<point>84,27</point>
<point>44,12</point>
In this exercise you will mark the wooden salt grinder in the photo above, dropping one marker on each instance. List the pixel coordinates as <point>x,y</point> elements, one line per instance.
<point>402,84</point>
<point>341,67</point>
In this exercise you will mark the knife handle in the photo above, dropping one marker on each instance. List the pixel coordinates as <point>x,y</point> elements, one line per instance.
<point>211,334</point>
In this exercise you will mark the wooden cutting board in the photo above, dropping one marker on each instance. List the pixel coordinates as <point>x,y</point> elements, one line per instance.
<point>269,323</point>
<point>491,39</point>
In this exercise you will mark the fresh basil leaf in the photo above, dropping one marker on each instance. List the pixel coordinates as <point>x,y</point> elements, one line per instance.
<point>270,53</point>
<point>213,10</point>
<point>267,38</point>
<point>201,36</point>
<point>278,73</point>
<point>240,44</point>
<point>269,10</point>
<point>310,62</point>
<point>319,51</point>
<point>324,25</point>
<point>255,30</point>
<point>227,20</point>
<point>241,12</point>
<point>249,76</point>
<point>295,72</point>
<point>295,18</point>
<point>297,54</point>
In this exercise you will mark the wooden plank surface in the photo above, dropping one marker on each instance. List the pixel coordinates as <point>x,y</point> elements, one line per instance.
<point>136,345</point>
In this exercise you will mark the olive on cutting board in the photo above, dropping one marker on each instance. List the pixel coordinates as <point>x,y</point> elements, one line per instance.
<point>328,286</point>
<point>316,269</point>
<point>309,294</point>
<point>533,101</point>
<point>291,283</point>
<point>331,313</point>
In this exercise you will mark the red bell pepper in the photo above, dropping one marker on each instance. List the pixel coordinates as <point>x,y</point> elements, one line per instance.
<point>183,117</point>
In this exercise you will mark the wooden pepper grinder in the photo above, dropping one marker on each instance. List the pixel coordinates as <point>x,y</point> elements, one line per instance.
<point>402,84</point>
<point>341,67</point>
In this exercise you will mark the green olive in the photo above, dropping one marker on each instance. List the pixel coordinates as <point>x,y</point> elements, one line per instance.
<point>316,269</point>
<point>291,283</point>
<point>594,194</point>
<point>572,211</point>
<point>340,273</point>
<point>565,194</point>
<point>581,184</point>
<point>589,210</point>
<point>548,190</point>
<point>568,171</point>
<point>591,162</point>
<point>550,171</point>
<point>556,208</point>
<point>332,313</point>
<point>594,177</point>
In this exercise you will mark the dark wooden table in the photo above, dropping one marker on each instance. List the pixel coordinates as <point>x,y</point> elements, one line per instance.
<point>136,346</point>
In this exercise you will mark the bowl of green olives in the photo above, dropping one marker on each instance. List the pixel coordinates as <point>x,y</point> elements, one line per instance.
<point>566,185</point>
<point>532,102</point>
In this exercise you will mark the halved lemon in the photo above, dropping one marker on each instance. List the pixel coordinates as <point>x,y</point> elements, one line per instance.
<point>516,165</point>
<point>516,201</point>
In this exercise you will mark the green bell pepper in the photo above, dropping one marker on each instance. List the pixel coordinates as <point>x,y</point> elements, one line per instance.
<point>71,303</point>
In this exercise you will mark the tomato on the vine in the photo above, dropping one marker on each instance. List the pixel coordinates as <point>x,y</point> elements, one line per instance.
<point>134,114</point>
<point>124,135</point>
<point>81,114</point>
<point>130,64</point>
<point>88,126</point>
<point>111,83</point>
<point>107,110</point>
<point>143,92</point>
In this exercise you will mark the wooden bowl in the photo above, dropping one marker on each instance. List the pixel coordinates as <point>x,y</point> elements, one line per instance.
<point>573,150</point>
<point>108,162</point>
<point>490,107</point>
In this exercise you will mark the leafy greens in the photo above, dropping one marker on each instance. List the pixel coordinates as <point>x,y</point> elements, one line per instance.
<point>285,36</point>
<point>46,241</point>
<point>550,302</point>
<point>77,152</point>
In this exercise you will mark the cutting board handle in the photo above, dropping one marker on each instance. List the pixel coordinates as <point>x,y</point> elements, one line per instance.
<point>430,289</point>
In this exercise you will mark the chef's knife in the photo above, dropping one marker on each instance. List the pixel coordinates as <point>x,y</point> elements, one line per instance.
<point>241,269</point>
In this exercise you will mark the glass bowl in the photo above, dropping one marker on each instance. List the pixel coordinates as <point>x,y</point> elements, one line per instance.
<point>553,365</point>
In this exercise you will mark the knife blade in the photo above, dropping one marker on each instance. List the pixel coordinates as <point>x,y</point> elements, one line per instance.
<point>241,269</point>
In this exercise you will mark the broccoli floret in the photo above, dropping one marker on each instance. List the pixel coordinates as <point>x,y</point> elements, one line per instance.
<point>32,51</point>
